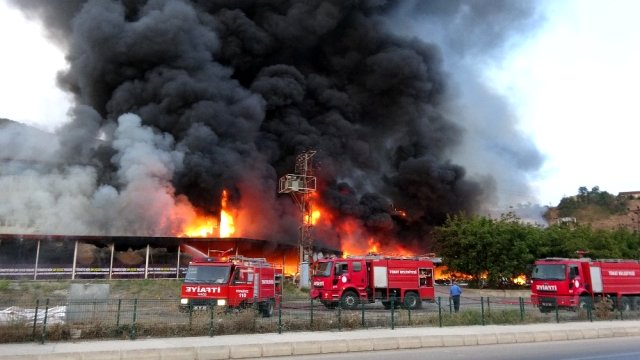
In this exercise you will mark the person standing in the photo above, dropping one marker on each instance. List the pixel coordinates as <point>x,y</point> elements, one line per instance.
<point>455,293</point>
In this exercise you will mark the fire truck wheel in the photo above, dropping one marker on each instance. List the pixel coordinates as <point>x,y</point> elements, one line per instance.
<point>412,301</point>
<point>350,300</point>
<point>636,303</point>
<point>267,308</point>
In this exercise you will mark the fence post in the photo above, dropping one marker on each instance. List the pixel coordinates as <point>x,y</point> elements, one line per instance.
<point>44,322</point>
<point>362,306</point>
<point>35,320</point>
<point>488,306</point>
<point>590,309</point>
<point>118,313</point>
<point>555,304</point>
<point>482,308</point>
<point>521,300</point>
<point>210,319</point>
<point>340,316</point>
<point>450,305</point>
<point>190,315</point>
<point>440,310</point>
<point>133,322</point>
<point>619,303</point>
<point>393,308</point>
<point>311,314</point>
<point>280,314</point>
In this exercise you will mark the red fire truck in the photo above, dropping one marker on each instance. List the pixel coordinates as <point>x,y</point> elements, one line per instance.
<point>574,283</point>
<point>234,282</point>
<point>347,282</point>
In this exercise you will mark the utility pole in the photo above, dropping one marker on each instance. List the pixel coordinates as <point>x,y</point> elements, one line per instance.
<point>300,185</point>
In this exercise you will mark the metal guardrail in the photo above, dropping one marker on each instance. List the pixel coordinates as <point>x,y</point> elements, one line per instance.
<point>58,319</point>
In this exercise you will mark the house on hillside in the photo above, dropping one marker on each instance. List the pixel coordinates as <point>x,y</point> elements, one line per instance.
<point>630,194</point>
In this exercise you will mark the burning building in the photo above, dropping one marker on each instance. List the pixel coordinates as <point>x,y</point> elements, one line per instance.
<point>42,257</point>
<point>185,107</point>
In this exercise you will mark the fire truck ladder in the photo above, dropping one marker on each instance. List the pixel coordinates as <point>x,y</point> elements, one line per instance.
<point>431,257</point>
<point>239,259</point>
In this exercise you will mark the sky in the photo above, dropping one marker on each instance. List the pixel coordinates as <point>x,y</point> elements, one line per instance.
<point>574,86</point>
<point>571,83</point>
<point>29,64</point>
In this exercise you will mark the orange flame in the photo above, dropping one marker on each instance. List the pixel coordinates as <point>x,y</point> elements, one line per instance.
<point>351,232</point>
<point>312,218</point>
<point>227,227</point>
<point>200,226</point>
<point>520,280</point>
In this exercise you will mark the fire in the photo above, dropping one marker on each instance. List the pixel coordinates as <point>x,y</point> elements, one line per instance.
<point>226,224</point>
<point>443,273</point>
<point>313,217</point>
<point>520,280</point>
<point>227,227</point>
<point>352,232</point>
<point>201,225</point>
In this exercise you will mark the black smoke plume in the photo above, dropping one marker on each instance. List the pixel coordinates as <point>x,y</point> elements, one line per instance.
<point>178,100</point>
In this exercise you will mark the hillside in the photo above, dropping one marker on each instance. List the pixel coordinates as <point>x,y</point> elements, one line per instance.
<point>599,217</point>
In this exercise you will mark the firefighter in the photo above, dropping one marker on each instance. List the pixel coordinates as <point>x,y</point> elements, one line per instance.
<point>455,292</point>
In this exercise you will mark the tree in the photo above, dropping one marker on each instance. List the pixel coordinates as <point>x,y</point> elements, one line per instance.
<point>495,249</point>
<point>583,192</point>
<point>498,249</point>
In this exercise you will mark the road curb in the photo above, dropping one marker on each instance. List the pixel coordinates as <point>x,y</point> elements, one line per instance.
<point>266,346</point>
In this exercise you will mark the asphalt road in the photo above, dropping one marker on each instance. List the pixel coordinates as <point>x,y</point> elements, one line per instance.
<point>625,348</point>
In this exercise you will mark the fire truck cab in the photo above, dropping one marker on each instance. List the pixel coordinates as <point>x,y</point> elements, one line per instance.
<point>347,282</point>
<point>234,282</point>
<point>574,283</point>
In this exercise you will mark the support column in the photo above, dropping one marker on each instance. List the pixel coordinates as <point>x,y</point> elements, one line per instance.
<point>75,257</point>
<point>178,264</point>
<point>35,268</point>
<point>146,263</point>
<point>111,262</point>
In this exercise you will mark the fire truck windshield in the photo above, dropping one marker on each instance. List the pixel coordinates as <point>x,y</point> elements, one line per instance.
<point>323,269</point>
<point>207,274</point>
<point>549,272</point>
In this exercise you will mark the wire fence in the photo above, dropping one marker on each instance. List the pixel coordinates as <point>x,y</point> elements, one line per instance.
<point>59,319</point>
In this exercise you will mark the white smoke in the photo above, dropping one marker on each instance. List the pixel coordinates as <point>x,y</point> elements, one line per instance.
<point>41,196</point>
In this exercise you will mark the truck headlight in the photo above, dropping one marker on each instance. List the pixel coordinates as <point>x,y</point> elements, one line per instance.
<point>222,302</point>
<point>184,301</point>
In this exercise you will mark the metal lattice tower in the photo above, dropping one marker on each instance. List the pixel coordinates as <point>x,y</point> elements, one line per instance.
<point>300,185</point>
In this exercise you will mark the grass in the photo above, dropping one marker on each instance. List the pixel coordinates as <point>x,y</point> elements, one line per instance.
<point>29,291</point>
<point>157,314</point>
<point>291,291</point>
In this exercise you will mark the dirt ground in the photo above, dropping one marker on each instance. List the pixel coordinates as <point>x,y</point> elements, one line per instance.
<point>629,220</point>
